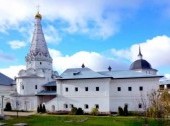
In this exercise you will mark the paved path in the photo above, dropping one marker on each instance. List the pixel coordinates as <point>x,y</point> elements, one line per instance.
<point>19,113</point>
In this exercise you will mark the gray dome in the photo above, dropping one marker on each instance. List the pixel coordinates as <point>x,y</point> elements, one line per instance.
<point>140,64</point>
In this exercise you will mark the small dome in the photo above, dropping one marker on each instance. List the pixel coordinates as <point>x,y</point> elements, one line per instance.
<point>140,64</point>
<point>38,15</point>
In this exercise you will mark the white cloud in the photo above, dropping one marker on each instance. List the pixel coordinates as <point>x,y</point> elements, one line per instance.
<point>100,17</point>
<point>155,50</point>
<point>16,44</point>
<point>12,71</point>
<point>91,60</point>
<point>51,34</point>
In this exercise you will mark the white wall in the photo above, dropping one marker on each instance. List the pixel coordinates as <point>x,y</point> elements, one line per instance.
<point>132,98</point>
<point>82,97</point>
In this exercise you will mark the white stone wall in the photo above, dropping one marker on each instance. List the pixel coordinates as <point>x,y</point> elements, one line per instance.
<point>81,97</point>
<point>26,86</point>
<point>133,97</point>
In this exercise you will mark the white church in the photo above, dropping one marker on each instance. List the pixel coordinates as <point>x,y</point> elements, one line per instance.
<point>79,87</point>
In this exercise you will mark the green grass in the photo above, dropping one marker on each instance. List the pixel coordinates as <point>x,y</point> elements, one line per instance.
<point>71,120</point>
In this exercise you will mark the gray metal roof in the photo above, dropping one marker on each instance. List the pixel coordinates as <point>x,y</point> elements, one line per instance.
<point>5,80</point>
<point>86,73</point>
<point>80,73</point>
<point>44,92</point>
<point>164,82</point>
<point>52,83</point>
<point>128,74</point>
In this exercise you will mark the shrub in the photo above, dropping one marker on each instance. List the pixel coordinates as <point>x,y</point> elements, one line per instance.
<point>8,107</point>
<point>38,109</point>
<point>120,111</point>
<point>73,111</point>
<point>79,111</point>
<point>94,111</point>
<point>126,110</point>
<point>43,109</point>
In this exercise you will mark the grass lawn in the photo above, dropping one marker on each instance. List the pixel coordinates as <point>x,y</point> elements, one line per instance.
<point>71,120</point>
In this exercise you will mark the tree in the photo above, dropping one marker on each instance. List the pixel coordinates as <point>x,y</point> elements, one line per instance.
<point>79,111</point>
<point>38,109</point>
<point>126,110</point>
<point>43,109</point>
<point>120,111</point>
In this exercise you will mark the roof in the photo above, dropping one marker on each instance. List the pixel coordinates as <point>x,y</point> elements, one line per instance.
<point>52,83</point>
<point>128,74</point>
<point>80,73</point>
<point>43,92</point>
<point>5,80</point>
<point>86,73</point>
<point>164,82</point>
<point>140,64</point>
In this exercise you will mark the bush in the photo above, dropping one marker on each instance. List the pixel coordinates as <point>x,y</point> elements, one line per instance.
<point>126,110</point>
<point>8,107</point>
<point>43,109</point>
<point>38,109</point>
<point>73,111</point>
<point>94,111</point>
<point>120,111</point>
<point>79,111</point>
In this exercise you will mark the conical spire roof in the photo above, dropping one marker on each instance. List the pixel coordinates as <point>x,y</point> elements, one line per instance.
<point>38,49</point>
<point>140,54</point>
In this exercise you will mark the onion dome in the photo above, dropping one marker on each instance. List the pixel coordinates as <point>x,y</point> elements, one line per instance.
<point>38,15</point>
<point>140,63</point>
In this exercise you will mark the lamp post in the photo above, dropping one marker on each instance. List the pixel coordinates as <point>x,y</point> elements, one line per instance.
<point>2,109</point>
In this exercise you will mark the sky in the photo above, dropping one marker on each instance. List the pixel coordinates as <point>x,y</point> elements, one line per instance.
<point>98,33</point>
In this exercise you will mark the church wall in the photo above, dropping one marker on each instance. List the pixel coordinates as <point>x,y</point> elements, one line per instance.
<point>133,97</point>
<point>26,86</point>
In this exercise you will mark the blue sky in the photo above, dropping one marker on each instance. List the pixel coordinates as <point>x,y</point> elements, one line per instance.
<point>97,33</point>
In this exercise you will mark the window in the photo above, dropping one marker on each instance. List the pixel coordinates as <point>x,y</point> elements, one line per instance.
<point>40,63</point>
<point>118,88</point>
<point>129,88</point>
<point>76,88</point>
<point>140,88</point>
<point>97,88</point>
<point>97,106</point>
<point>65,106</point>
<point>139,105</point>
<point>86,106</point>
<point>71,105</point>
<point>66,89</point>
<point>22,86</point>
<point>86,89</point>
<point>35,86</point>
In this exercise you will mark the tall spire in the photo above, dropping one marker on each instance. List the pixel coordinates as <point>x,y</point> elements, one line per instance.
<point>140,54</point>
<point>38,50</point>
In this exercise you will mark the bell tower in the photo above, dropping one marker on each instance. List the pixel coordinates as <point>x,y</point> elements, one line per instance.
<point>38,56</point>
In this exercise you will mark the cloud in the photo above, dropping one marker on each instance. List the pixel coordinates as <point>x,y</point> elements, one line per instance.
<point>52,35</point>
<point>155,51</point>
<point>12,71</point>
<point>100,17</point>
<point>91,60</point>
<point>16,44</point>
